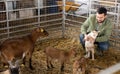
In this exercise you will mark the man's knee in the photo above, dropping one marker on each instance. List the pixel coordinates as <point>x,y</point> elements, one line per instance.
<point>82,40</point>
<point>104,47</point>
<point>81,36</point>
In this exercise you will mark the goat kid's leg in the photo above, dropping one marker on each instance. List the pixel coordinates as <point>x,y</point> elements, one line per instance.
<point>93,57</point>
<point>30,64</point>
<point>49,64</point>
<point>62,67</point>
<point>48,67</point>
<point>30,61</point>
<point>87,55</point>
<point>24,58</point>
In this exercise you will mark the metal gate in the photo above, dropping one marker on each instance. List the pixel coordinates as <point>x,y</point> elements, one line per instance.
<point>19,17</point>
<point>87,7</point>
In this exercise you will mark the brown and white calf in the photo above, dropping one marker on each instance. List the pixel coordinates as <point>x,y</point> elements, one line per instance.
<point>60,55</point>
<point>12,49</point>
<point>89,43</point>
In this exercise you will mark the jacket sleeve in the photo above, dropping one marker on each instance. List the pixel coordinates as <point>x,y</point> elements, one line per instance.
<point>106,33</point>
<point>85,26</point>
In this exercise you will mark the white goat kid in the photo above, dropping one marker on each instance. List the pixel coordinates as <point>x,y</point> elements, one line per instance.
<point>89,43</point>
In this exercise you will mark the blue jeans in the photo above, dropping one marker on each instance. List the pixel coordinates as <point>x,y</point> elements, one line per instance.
<point>101,45</point>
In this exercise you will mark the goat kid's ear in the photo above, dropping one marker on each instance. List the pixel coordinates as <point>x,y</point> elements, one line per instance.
<point>40,29</point>
<point>98,31</point>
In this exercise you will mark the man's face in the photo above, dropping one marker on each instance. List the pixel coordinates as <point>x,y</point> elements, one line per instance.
<point>100,17</point>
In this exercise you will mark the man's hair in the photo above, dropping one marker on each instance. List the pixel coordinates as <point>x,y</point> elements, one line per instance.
<point>102,10</point>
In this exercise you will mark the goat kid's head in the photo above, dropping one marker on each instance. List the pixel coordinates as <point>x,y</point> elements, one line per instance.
<point>41,32</point>
<point>94,34</point>
<point>14,70</point>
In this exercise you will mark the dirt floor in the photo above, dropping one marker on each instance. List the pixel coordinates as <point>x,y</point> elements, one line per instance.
<point>111,57</point>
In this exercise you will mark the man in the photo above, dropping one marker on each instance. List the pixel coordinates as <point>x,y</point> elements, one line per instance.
<point>99,22</point>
